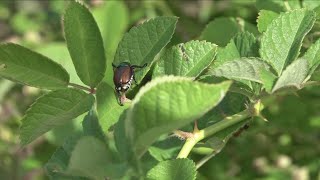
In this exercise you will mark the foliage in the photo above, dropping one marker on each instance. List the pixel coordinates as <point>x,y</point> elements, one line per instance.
<point>205,91</point>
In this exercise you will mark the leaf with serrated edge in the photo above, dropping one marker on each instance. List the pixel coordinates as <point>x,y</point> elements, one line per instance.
<point>244,44</point>
<point>293,75</point>
<point>166,104</point>
<point>53,109</point>
<point>59,53</point>
<point>281,43</point>
<point>264,19</point>
<point>313,56</point>
<point>243,68</point>
<point>166,149</point>
<point>142,43</point>
<point>183,169</point>
<point>108,106</point>
<point>84,43</point>
<point>25,66</point>
<point>188,59</point>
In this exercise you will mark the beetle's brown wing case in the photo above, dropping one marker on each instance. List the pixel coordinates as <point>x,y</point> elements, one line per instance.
<point>122,75</point>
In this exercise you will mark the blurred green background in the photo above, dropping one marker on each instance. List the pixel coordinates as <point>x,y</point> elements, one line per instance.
<point>286,147</point>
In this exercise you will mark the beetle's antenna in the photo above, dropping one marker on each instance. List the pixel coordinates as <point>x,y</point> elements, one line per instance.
<point>136,66</point>
<point>114,66</point>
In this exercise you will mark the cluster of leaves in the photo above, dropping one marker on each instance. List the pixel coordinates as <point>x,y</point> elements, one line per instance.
<point>188,82</point>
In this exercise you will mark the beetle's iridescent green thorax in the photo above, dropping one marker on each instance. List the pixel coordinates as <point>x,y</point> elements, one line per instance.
<point>124,64</point>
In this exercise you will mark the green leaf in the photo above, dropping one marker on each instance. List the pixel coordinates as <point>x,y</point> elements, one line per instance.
<point>292,4</point>
<point>268,79</point>
<point>317,10</point>
<point>231,104</point>
<point>216,143</point>
<point>271,5</point>
<point>169,103</point>
<point>2,66</point>
<point>265,18</point>
<point>243,68</point>
<point>294,75</point>
<point>85,44</point>
<point>108,106</point>
<point>58,163</point>
<point>142,43</point>
<point>59,134</point>
<point>188,59</point>
<point>281,43</point>
<point>221,30</point>
<point>90,158</point>
<point>53,109</point>
<point>310,4</point>
<point>25,66</point>
<point>59,53</point>
<point>183,169</point>
<point>212,146</point>
<point>121,140</point>
<point>244,44</point>
<point>112,18</point>
<point>313,56</point>
<point>166,149</point>
<point>91,126</point>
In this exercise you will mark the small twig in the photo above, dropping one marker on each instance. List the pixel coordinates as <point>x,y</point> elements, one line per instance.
<point>287,6</point>
<point>91,90</point>
<point>253,110</point>
<point>206,159</point>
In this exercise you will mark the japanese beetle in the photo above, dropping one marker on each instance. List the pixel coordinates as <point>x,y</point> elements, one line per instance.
<point>124,75</point>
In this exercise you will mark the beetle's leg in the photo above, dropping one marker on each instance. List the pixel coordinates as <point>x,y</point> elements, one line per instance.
<point>136,66</point>
<point>135,81</point>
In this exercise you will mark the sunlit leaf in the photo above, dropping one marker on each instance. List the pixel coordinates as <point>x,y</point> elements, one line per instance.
<point>281,43</point>
<point>183,169</point>
<point>25,66</point>
<point>142,43</point>
<point>84,43</point>
<point>188,59</point>
<point>53,109</point>
<point>169,103</point>
<point>293,75</point>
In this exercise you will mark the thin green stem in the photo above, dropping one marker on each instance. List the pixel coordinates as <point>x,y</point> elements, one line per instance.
<point>80,87</point>
<point>205,159</point>
<point>209,131</point>
<point>287,6</point>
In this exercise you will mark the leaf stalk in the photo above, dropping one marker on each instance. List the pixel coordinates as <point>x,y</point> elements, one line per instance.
<point>253,110</point>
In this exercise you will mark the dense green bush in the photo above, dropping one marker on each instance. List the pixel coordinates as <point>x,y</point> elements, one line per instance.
<point>192,98</point>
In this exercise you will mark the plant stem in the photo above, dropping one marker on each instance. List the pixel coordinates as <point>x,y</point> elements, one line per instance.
<point>80,87</point>
<point>205,159</point>
<point>209,131</point>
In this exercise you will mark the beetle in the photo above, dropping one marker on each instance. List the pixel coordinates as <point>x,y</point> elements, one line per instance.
<point>124,75</point>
